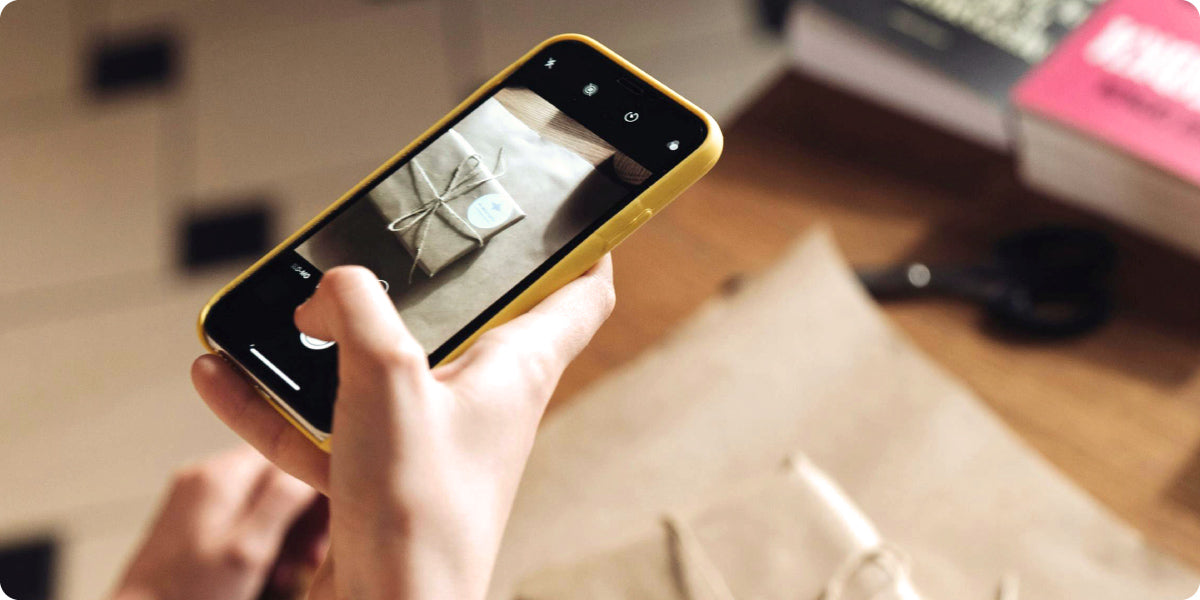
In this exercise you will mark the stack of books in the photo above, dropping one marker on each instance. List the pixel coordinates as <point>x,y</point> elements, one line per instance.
<point>1099,101</point>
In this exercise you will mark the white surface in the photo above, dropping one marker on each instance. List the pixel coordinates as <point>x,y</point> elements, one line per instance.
<point>295,97</point>
<point>99,414</point>
<point>235,17</point>
<point>834,51</point>
<point>303,196</point>
<point>117,426</point>
<point>75,209</point>
<point>38,54</point>
<point>636,29</point>
<point>100,543</point>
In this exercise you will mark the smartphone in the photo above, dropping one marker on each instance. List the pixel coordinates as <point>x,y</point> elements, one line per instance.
<point>519,190</point>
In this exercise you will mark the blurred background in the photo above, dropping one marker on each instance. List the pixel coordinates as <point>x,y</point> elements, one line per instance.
<point>151,149</point>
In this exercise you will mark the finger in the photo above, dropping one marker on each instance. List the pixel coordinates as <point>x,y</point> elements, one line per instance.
<point>207,496</point>
<point>351,308</point>
<point>308,540</point>
<point>561,325</point>
<point>322,585</point>
<point>580,308</point>
<point>240,407</point>
<point>379,361</point>
<point>233,476</point>
<point>303,550</point>
<point>534,349</point>
<point>277,500</point>
<point>276,503</point>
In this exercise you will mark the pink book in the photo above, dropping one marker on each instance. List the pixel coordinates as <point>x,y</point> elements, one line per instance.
<point>1129,76</point>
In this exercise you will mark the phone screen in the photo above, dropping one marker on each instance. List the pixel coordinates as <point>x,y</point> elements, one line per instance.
<point>469,219</point>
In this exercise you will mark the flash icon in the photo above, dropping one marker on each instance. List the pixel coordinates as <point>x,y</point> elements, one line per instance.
<point>550,63</point>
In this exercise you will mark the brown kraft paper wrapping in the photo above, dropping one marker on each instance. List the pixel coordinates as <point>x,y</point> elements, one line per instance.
<point>447,202</point>
<point>790,534</point>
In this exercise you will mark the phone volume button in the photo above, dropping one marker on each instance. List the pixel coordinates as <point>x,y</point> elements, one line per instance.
<point>637,221</point>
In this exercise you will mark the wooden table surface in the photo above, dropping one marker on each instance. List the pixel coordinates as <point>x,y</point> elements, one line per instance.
<point>1118,411</point>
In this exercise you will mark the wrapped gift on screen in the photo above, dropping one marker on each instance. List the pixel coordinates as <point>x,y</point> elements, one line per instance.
<point>446,202</point>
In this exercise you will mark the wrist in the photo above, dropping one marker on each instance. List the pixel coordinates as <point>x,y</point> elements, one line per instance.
<point>414,556</point>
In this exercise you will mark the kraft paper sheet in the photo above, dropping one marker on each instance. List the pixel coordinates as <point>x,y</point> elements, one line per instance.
<point>803,361</point>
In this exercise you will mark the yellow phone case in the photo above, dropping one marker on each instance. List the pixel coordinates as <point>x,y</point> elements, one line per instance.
<point>574,264</point>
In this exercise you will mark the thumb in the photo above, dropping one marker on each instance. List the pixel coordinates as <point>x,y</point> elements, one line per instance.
<point>374,348</point>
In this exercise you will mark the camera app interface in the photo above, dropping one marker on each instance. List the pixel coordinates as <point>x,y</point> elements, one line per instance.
<point>476,211</point>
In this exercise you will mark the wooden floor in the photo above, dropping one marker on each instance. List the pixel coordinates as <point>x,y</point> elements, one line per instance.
<point>1119,411</point>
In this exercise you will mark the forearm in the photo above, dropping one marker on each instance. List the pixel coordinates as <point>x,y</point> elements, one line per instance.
<point>416,555</point>
<point>410,574</point>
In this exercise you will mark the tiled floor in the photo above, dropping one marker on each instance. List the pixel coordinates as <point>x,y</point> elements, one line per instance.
<point>288,100</point>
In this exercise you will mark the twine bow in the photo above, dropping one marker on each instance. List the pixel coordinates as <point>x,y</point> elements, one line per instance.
<point>467,176</point>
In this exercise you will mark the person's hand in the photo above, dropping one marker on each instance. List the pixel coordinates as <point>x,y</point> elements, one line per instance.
<point>232,528</point>
<point>425,463</point>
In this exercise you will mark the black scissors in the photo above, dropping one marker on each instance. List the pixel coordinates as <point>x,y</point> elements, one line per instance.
<point>1050,282</point>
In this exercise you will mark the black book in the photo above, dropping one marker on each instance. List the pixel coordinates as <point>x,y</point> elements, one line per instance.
<point>983,47</point>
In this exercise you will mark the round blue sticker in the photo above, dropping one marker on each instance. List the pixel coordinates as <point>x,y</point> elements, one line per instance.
<point>490,211</point>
